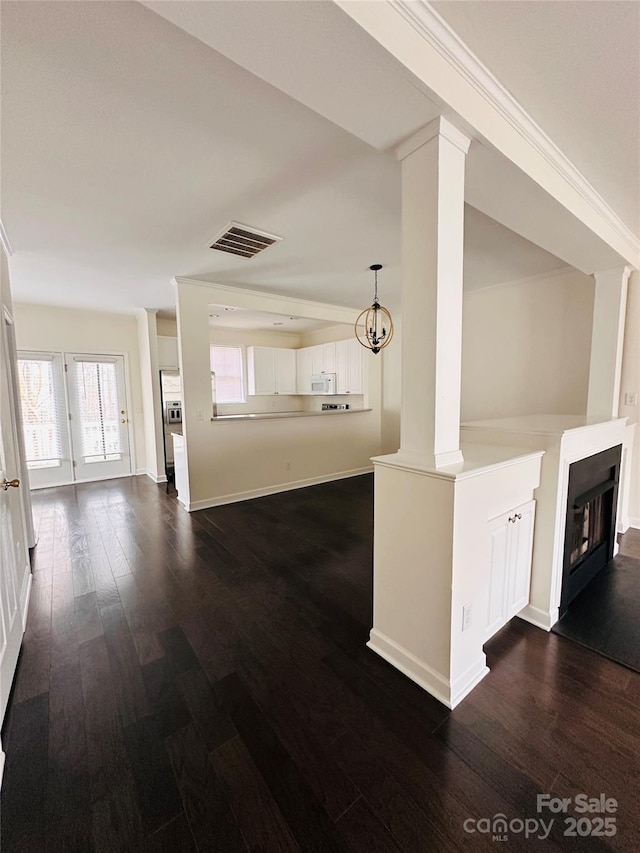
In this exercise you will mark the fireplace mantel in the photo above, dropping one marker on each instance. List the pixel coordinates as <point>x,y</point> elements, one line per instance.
<point>565,439</point>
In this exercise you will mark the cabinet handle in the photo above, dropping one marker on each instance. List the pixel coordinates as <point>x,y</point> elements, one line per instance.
<point>512,519</point>
<point>518,515</point>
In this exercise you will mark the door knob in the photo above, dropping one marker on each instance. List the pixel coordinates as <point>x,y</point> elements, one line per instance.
<point>123,421</point>
<point>6,483</point>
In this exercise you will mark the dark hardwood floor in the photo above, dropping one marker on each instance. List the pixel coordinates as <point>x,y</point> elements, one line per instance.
<point>201,682</point>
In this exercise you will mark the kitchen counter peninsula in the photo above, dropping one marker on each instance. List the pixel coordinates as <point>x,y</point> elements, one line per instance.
<point>276,415</point>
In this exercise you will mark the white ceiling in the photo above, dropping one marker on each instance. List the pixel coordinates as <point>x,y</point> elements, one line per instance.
<point>127,144</point>
<point>229,317</point>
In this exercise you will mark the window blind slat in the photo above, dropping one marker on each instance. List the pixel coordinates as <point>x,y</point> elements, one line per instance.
<point>41,411</point>
<point>226,364</point>
<point>96,388</point>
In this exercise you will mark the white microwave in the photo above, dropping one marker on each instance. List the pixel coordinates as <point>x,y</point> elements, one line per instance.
<point>323,383</point>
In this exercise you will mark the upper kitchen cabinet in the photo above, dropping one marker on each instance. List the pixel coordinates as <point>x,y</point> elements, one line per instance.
<point>351,367</point>
<point>271,370</point>
<point>304,363</point>
<point>323,358</point>
<point>167,353</point>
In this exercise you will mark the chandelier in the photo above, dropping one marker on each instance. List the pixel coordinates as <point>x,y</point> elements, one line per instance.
<point>374,326</point>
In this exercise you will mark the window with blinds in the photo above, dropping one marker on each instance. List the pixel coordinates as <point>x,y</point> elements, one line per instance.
<point>97,395</point>
<point>41,412</point>
<point>227,374</point>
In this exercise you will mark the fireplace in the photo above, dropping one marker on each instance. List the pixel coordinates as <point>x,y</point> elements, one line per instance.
<point>591,520</point>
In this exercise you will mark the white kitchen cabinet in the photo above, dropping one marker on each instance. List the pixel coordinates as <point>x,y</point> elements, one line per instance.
<point>285,371</point>
<point>271,370</point>
<point>350,367</point>
<point>304,370</point>
<point>323,358</point>
<point>317,359</point>
<point>511,537</point>
<point>329,358</point>
<point>167,353</point>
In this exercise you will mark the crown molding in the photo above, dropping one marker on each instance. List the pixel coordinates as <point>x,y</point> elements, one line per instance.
<point>6,245</point>
<point>435,30</point>
<point>440,126</point>
<point>244,292</point>
<point>560,272</point>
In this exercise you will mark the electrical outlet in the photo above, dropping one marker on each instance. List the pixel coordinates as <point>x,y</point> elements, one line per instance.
<point>199,415</point>
<point>466,617</point>
<point>288,465</point>
<point>631,398</point>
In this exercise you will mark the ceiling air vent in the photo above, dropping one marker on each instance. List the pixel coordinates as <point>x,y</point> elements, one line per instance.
<point>244,241</point>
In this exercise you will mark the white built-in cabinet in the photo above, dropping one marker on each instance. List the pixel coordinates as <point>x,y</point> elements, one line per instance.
<point>271,370</point>
<point>511,538</point>
<point>167,353</point>
<point>304,360</point>
<point>344,358</point>
<point>350,367</point>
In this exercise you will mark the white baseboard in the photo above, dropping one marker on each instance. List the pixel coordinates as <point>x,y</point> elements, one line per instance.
<point>235,497</point>
<point>415,669</point>
<point>464,684</point>
<point>622,524</point>
<point>25,595</point>
<point>539,618</point>
<point>634,522</point>
<point>145,472</point>
<point>449,693</point>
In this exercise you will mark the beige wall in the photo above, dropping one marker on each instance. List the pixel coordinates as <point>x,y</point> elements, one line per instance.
<point>228,460</point>
<point>525,350</point>
<point>526,347</point>
<point>167,328</point>
<point>47,328</point>
<point>630,384</point>
<point>341,332</point>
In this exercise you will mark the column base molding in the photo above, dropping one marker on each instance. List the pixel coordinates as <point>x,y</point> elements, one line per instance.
<point>540,618</point>
<point>450,693</point>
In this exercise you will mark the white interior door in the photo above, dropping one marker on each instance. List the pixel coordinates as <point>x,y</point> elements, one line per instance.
<point>44,418</point>
<point>99,420</point>
<point>14,559</point>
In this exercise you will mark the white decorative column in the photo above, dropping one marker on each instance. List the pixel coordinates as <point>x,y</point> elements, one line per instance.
<point>607,337</point>
<point>151,403</point>
<point>433,163</point>
<point>422,575</point>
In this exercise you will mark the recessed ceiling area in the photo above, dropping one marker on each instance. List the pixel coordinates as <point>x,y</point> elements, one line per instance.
<point>575,67</point>
<point>230,317</point>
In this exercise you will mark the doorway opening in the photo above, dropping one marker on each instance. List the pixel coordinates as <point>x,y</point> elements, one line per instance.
<point>74,414</point>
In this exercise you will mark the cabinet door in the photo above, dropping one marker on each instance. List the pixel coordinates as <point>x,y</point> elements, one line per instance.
<point>356,367</point>
<point>285,371</point>
<point>167,353</point>
<point>317,359</point>
<point>261,369</point>
<point>521,548</point>
<point>304,370</point>
<point>500,534</point>
<point>329,357</point>
<point>342,366</point>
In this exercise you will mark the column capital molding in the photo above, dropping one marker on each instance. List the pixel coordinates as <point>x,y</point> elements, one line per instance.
<point>440,126</point>
<point>617,272</point>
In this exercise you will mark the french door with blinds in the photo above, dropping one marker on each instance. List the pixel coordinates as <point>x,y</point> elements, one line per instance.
<point>75,417</point>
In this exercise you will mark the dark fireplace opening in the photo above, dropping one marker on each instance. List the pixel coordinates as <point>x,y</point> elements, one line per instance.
<point>591,520</point>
